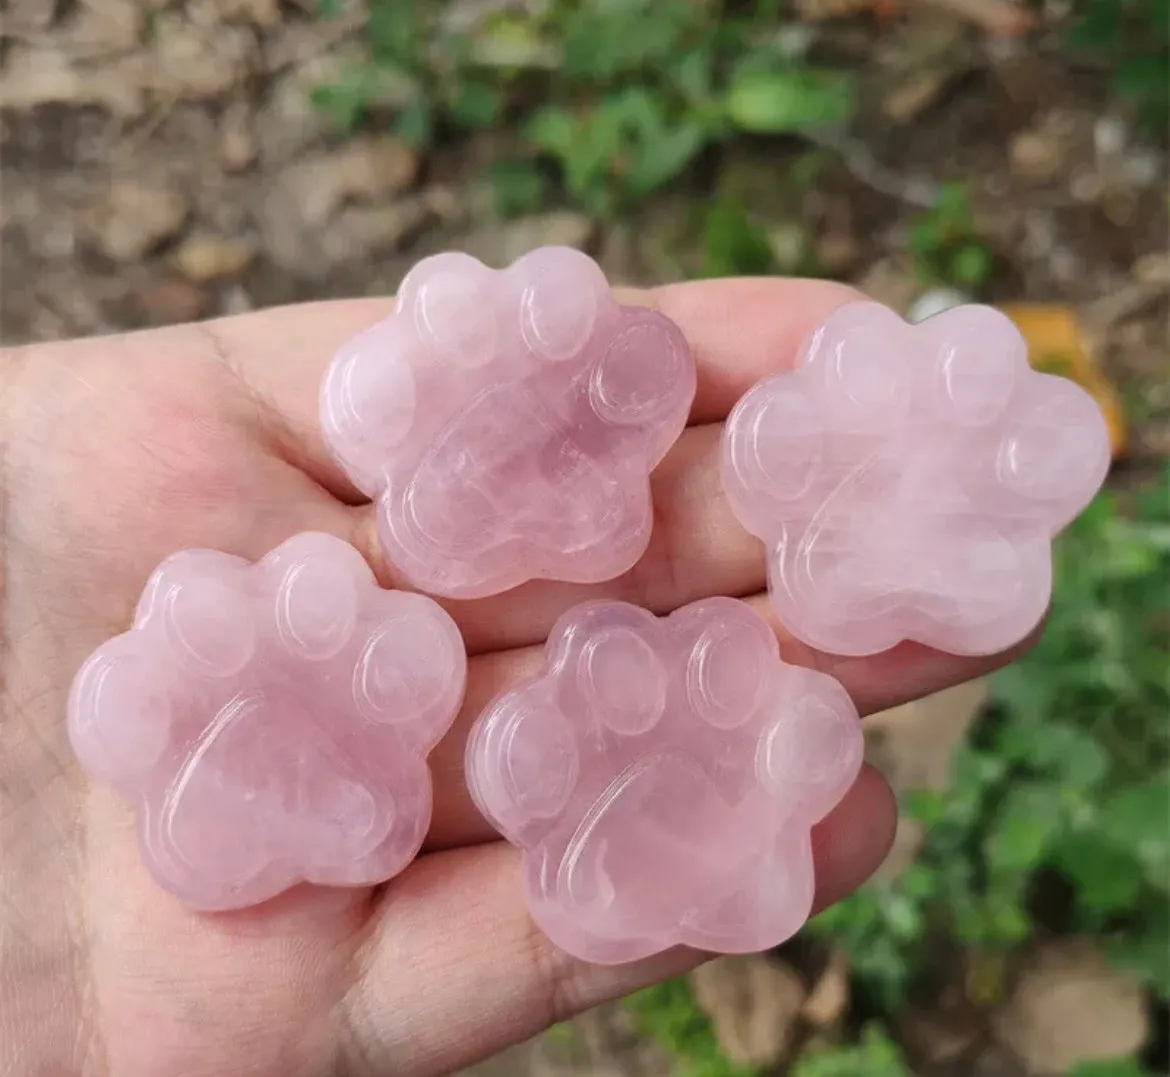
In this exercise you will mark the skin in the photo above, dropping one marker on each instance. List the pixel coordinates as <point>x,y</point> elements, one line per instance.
<point>117,451</point>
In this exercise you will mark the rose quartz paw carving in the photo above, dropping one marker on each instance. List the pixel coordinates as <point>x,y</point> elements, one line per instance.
<point>507,420</point>
<point>662,777</point>
<point>271,721</point>
<point>908,480</point>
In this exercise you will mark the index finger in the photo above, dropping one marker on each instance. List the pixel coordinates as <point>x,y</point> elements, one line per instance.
<point>740,330</point>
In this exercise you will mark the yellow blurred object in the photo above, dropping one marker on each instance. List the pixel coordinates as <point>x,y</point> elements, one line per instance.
<point>1057,344</point>
<point>986,976</point>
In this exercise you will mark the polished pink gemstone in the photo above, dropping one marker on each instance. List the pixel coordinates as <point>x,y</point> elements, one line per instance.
<point>271,721</point>
<point>908,480</point>
<point>662,778</point>
<point>507,421</point>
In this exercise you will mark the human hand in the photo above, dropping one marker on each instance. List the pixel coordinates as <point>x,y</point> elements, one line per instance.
<point>118,451</point>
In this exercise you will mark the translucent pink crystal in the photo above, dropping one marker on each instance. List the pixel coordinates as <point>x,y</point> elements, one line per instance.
<point>507,420</point>
<point>908,480</point>
<point>271,722</point>
<point>662,778</point>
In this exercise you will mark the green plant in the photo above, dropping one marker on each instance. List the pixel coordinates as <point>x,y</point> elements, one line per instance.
<point>945,243</point>
<point>1133,38</point>
<point>419,66</point>
<point>647,85</point>
<point>519,187</point>
<point>1064,779</point>
<point>874,1055</point>
<point>562,1037</point>
<point>882,928</point>
<point>668,1013</point>
<point>620,150</point>
<point>1084,718</point>
<point>1110,1067</point>
<point>732,243</point>
<point>620,95</point>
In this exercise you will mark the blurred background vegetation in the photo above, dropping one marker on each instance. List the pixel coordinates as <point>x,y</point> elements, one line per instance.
<point>168,159</point>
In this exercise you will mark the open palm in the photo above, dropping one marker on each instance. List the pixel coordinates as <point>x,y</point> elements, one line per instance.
<point>115,453</point>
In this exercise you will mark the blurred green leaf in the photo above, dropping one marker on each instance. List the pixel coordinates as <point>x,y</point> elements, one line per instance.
<point>1133,38</point>
<point>928,806</point>
<point>1110,1067</point>
<point>918,882</point>
<point>660,154</point>
<point>668,1012</point>
<point>1024,826</point>
<point>477,104</point>
<point>628,36</point>
<point>1073,754</point>
<point>345,103</point>
<point>971,265</point>
<point>554,129</point>
<point>945,243</point>
<point>413,124</point>
<point>732,244</point>
<point>782,101</point>
<point>692,74</point>
<point>875,1055</point>
<point>519,187</point>
<point>398,31</point>
<point>1007,922</point>
<point>1137,818</point>
<point>1106,878</point>
<point>1144,948</point>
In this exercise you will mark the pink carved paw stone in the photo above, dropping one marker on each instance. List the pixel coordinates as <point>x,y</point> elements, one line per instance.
<point>271,721</point>
<point>908,480</point>
<point>662,778</point>
<point>507,421</point>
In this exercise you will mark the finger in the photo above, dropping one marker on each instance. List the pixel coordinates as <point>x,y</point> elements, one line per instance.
<point>742,329</point>
<point>875,683</point>
<point>697,549</point>
<point>739,330</point>
<point>456,971</point>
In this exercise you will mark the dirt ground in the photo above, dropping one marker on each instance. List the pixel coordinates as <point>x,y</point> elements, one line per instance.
<point>162,162</point>
<point>150,178</point>
<point>153,177</point>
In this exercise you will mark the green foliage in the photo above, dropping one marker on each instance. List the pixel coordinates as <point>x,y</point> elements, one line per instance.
<point>419,67</point>
<point>1110,1067</point>
<point>882,928</point>
<point>732,244</point>
<point>1065,779</point>
<point>668,1012</point>
<point>519,187</point>
<point>1133,38</point>
<point>562,1037</point>
<point>621,96</point>
<point>645,86</point>
<point>779,100</point>
<point>619,151</point>
<point>874,1055</point>
<point>946,246</point>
